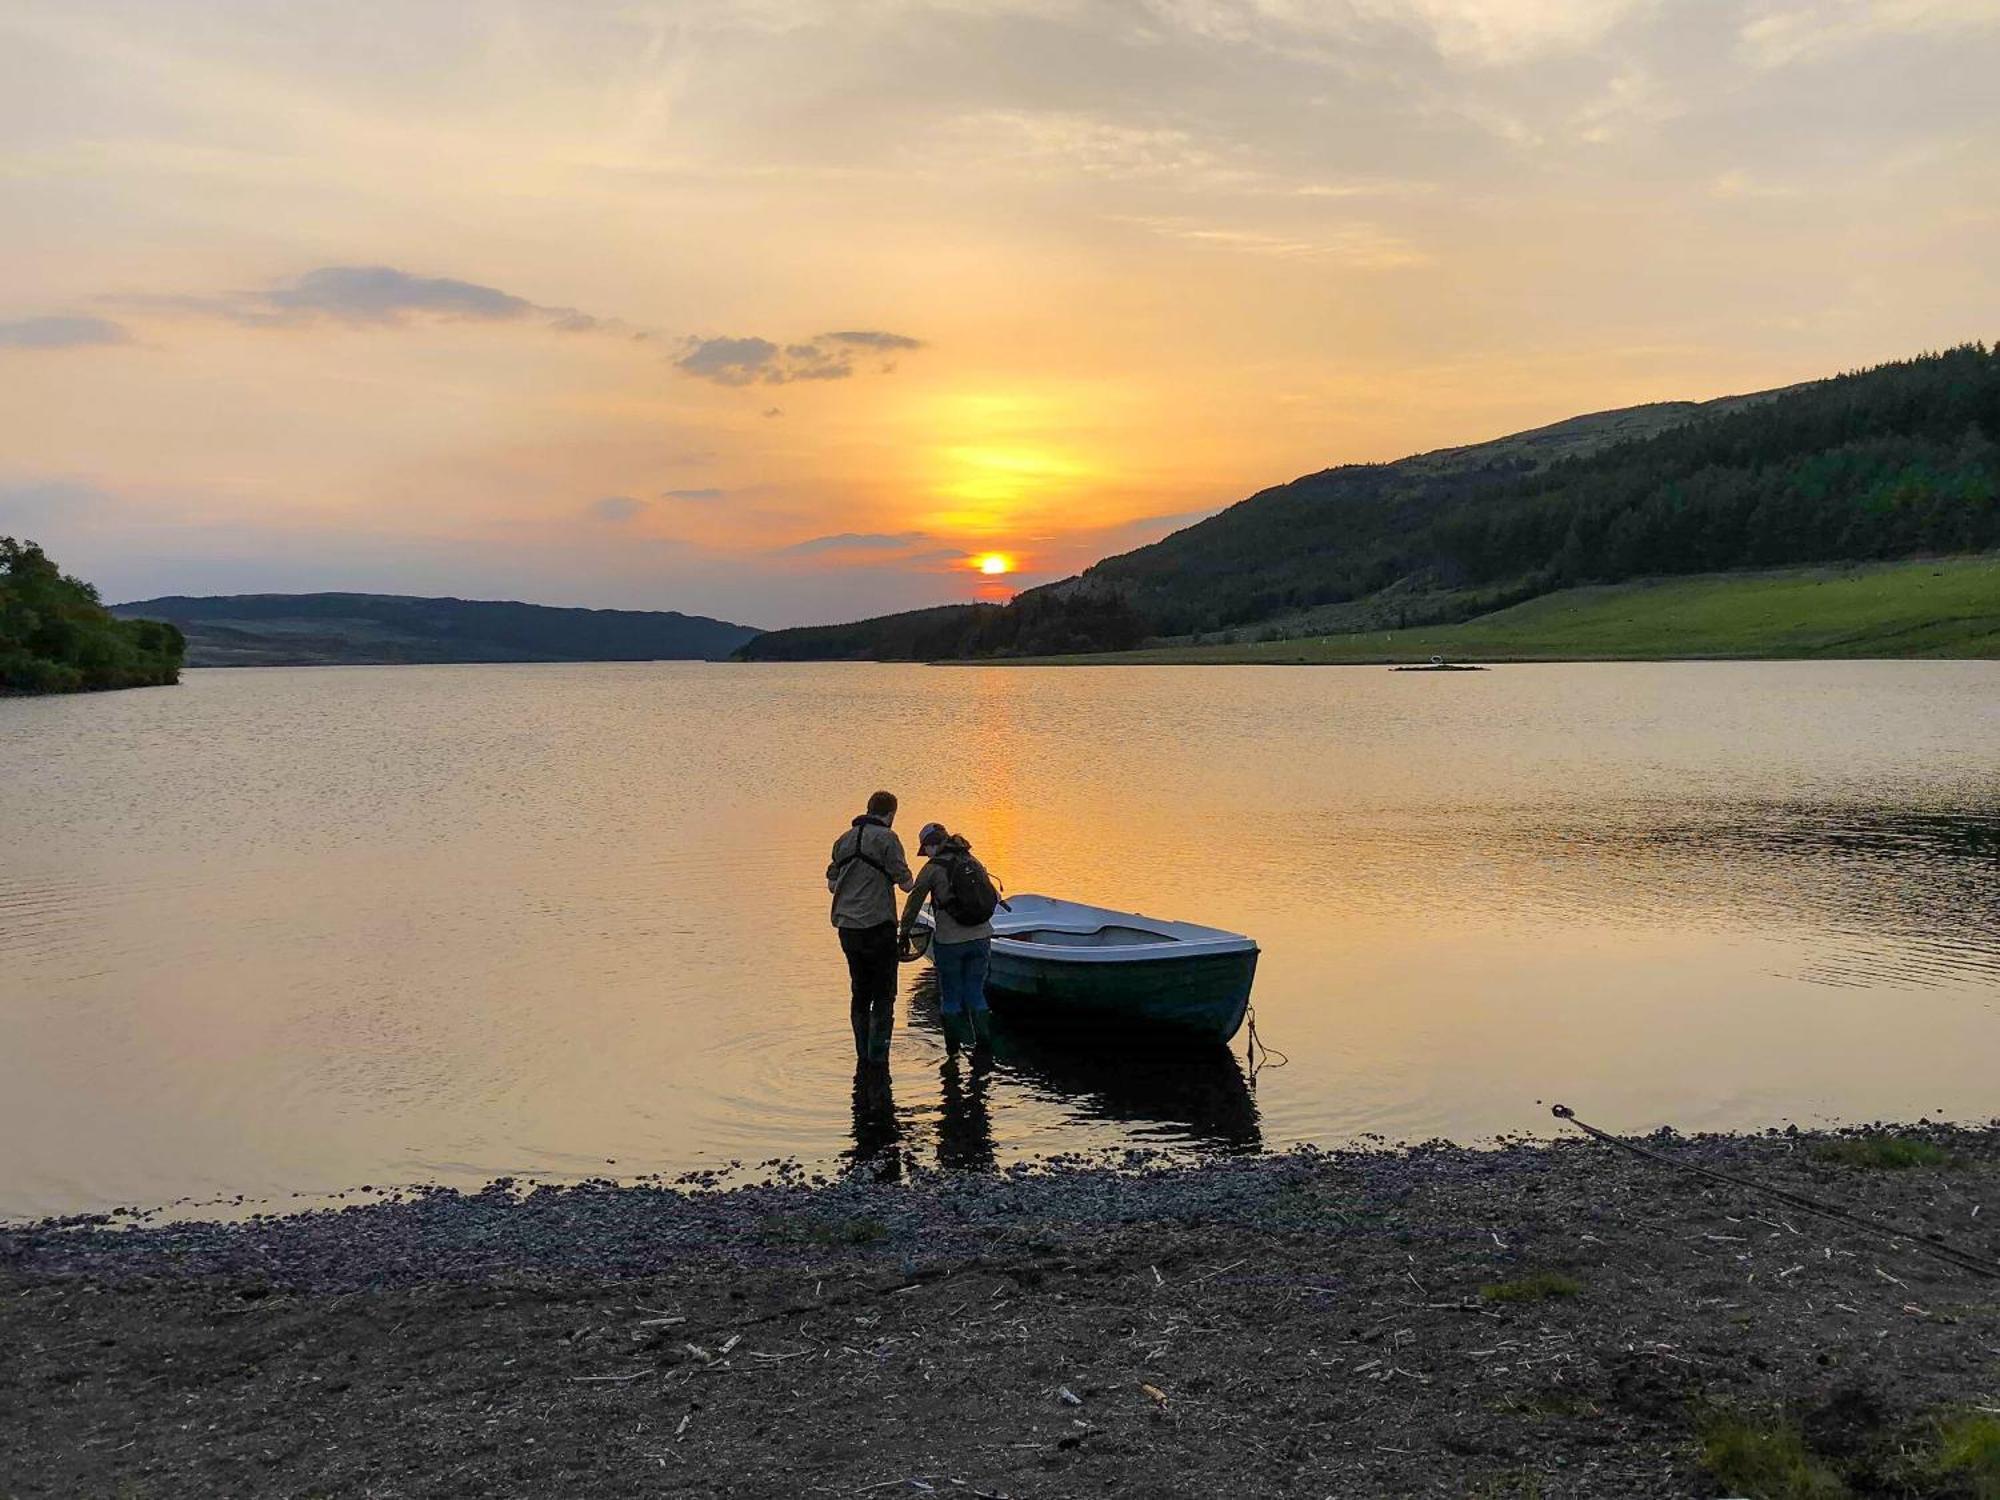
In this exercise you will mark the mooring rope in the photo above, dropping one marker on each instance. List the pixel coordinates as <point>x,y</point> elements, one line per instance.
<point>1258,1045</point>
<point>1925,1240</point>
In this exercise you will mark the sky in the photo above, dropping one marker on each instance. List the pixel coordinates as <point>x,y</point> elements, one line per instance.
<point>790,311</point>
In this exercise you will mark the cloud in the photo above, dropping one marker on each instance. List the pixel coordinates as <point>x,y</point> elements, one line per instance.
<point>1365,247</point>
<point>372,297</point>
<point>61,333</point>
<point>759,361</point>
<point>774,411</point>
<point>704,494</point>
<point>857,541</point>
<point>869,338</point>
<point>1468,33</point>
<point>616,508</point>
<point>729,361</point>
<point>383,294</point>
<point>1783,35</point>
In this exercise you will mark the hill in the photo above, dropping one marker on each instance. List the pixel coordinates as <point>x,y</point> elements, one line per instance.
<point>271,630</point>
<point>1898,461</point>
<point>1940,607</point>
<point>56,638</point>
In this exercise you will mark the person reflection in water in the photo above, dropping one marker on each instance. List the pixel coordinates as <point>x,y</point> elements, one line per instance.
<point>868,867</point>
<point>965,1128</point>
<point>962,898</point>
<point>878,1134</point>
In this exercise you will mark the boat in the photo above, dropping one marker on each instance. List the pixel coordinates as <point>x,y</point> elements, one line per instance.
<point>1065,962</point>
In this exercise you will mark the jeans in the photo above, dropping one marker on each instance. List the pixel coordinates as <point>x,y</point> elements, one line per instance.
<point>961,975</point>
<point>871,973</point>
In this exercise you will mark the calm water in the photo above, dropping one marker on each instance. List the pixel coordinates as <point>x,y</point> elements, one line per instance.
<point>300,930</point>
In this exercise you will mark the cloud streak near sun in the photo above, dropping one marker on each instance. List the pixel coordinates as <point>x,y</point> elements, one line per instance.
<point>389,297</point>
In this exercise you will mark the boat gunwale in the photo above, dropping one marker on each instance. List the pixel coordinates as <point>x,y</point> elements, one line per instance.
<point>1051,914</point>
<point>1165,952</point>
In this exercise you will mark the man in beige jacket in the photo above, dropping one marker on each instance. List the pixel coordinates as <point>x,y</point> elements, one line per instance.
<point>868,868</point>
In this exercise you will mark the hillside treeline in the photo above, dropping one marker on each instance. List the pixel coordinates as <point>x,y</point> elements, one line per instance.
<point>1889,462</point>
<point>1035,624</point>
<point>55,637</point>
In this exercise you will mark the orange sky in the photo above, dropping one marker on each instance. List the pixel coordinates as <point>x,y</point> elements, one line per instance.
<point>784,311</point>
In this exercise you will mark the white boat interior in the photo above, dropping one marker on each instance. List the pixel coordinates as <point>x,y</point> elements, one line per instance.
<point>1073,932</point>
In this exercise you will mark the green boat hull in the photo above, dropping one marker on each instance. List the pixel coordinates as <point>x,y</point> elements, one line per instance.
<point>1197,997</point>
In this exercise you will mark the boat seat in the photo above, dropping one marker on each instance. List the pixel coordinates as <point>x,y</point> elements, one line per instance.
<point>1102,937</point>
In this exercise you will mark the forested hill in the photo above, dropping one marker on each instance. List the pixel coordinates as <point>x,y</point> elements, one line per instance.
<point>56,638</point>
<point>1885,463</point>
<point>358,629</point>
<point>1891,462</point>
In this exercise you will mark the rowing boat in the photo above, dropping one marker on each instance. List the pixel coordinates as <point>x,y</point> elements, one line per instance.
<point>1066,961</point>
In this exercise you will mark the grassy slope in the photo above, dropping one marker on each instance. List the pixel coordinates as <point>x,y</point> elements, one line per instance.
<point>1941,607</point>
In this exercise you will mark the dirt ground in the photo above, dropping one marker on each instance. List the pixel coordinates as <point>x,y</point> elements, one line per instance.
<point>1528,1321</point>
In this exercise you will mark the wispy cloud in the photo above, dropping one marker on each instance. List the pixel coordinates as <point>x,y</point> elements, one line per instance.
<point>1362,246</point>
<point>1781,35</point>
<point>61,332</point>
<point>1469,33</point>
<point>857,541</point>
<point>872,338</point>
<point>752,360</point>
<point>700,494</point>
<point>617,509</point>
<point>369,296</point>
<point>383,294</point>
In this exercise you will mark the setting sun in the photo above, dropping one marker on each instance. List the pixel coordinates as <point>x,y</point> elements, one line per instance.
<point>992,564</point>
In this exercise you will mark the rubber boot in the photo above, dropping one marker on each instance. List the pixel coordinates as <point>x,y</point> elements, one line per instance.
<point>982,1028</point>
<point>956,1032</point>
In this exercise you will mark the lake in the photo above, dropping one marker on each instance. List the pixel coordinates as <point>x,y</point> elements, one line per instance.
<point>282,932</point>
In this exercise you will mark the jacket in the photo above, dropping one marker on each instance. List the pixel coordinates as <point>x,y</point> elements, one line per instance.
<point>867,866</point>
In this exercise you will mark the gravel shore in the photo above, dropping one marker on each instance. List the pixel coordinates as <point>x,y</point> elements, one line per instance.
<point>1529,1319</point>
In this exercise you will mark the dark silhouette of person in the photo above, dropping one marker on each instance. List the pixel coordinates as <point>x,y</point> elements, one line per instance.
<point>965,1127</point>
<point>868,868</point>
<point>878,1134</point>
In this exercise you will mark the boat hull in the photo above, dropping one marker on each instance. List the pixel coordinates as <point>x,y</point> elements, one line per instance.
<point>1196,996</point>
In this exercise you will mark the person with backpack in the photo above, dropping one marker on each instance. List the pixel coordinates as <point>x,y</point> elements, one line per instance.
<point>963,898</point>
<point>868,866</point>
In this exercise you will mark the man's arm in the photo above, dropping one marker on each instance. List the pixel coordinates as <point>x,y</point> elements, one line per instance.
<point>919,889</point>
<point>896,864</point>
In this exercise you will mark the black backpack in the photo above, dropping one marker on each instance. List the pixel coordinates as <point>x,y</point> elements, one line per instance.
<point>969,896</point>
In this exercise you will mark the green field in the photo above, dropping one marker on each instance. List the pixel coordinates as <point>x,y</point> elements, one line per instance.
<point>1942,607</point>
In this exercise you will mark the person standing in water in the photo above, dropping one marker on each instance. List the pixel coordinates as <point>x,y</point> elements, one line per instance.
<point>868,867</point>
<point>962,897</point>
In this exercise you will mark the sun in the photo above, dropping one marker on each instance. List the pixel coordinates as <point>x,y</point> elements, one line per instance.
<point>993,564</point>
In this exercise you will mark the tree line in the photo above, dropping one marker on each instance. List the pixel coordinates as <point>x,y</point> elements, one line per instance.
<point>57,637</point>
<point>1890,462</point>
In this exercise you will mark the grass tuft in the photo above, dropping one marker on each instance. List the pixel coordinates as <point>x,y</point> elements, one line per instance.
<point>1536,1286</point>
<point>1968,1452</point>
<point>861,1230</point>
<point>1768,1460</point>
<point>1889,1153</point>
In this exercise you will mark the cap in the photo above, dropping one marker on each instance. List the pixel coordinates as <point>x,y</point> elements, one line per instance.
<point>930,836</point>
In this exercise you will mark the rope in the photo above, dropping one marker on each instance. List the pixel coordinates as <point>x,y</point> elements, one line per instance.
<point>1259,1045</point>
<point>1924,1240</point>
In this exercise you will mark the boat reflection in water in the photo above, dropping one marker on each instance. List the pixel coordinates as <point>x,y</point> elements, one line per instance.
<point>1166,1094</point>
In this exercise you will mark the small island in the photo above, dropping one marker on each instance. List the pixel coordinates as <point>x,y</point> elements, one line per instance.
<point>57,637</point>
